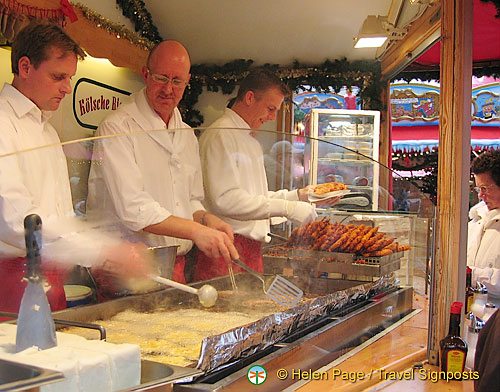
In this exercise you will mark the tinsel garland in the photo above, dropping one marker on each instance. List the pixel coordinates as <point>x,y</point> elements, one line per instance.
<point>331,75</point>
<point>113,28</point>
<point>136,11</point>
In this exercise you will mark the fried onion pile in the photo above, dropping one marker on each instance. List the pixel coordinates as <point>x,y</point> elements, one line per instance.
<point>328,187</point>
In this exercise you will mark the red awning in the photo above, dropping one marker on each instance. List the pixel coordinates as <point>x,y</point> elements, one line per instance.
<point>485,40</point>
<point>431,132</point>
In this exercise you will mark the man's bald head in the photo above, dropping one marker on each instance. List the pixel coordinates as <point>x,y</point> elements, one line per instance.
<point>166,75</point>
<point>168,48</point>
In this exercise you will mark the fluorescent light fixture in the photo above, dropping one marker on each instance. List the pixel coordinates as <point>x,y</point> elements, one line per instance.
<point>372,33</point>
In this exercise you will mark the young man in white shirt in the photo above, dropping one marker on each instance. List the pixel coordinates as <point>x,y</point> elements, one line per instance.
<point>150,184</point>
<point>234,175</point>
<point>44,59</point>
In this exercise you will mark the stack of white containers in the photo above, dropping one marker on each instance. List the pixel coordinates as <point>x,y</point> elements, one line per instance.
<point>87,365</point>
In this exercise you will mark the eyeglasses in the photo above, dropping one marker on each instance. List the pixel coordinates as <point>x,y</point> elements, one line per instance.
<point>483,189</point>
<point>162,79</point>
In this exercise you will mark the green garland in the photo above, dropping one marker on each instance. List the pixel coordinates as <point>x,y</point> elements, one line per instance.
<point>136,11</point>
<point>331,75</point>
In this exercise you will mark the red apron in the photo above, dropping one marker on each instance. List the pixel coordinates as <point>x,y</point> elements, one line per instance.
<point>250,254</point>
<point>12,285</point>
<point>180,263</point>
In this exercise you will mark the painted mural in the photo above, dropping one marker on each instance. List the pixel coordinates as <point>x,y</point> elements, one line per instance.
<point>418,104</point>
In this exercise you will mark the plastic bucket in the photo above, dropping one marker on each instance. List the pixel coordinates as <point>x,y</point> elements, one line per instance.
<point>77,295</point>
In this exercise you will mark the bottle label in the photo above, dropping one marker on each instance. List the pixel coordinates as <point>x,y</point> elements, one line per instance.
<point>455,361</point>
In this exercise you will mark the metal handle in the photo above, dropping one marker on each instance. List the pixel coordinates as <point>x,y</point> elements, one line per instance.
<point>278,237</point>
<point>248,269</point>
<point>33,239</point>
<point>79,324</point>
<point>174,284</point>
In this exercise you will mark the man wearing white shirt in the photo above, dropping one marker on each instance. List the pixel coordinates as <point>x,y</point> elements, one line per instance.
<point>44,59</point>
<point>235,178</point>
<point>483,245</point>
<point>150,184</point>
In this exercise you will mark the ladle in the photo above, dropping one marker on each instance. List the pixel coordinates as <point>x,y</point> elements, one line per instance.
<point>206,294</point>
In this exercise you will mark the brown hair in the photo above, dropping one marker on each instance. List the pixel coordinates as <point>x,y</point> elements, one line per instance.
<point>260,80</point>
<point>35,40</point>
<point>488,162</point>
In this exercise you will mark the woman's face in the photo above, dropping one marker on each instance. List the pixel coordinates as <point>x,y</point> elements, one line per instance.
<point>489,192</point>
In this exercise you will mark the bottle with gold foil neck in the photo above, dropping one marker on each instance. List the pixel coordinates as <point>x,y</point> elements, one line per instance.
<point>469,291</point>
<point>453,347</point>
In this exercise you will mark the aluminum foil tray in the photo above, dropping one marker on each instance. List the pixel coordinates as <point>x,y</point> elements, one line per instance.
<point>221,350</point>
<point>288,261</point>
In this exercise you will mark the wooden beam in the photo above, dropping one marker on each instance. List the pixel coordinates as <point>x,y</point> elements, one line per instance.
<point>101,44</point>
<point>454,166</point>
<point>385,150</point>
<point>400,53</point>
<point>97,41</point>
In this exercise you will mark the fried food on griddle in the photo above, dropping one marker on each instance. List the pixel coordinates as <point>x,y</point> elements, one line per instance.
<point>328,187</point>
<point>336,237</point>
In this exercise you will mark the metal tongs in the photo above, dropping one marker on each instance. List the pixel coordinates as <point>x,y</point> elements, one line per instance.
<point>280,290</point>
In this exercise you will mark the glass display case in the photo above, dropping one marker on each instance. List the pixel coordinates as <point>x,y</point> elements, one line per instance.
<point>344,148</point>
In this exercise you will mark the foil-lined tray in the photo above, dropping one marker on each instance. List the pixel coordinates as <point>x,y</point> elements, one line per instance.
<point>221,350</point>
<point>293,261</point>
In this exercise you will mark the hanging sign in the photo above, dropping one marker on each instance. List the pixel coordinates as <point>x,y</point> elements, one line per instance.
<point>93,100</point>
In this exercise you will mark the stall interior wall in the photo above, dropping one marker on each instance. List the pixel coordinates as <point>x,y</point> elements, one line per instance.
<point>78,115</point>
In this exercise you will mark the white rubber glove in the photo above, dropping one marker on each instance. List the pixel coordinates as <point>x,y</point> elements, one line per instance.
<point>300,212</point>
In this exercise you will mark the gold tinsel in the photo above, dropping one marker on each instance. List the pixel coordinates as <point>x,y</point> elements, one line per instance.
<point>119,31</point>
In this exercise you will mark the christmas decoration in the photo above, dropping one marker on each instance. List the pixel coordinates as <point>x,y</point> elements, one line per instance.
<point>136,11</point>
<point>326,77</point>
<point>113,28</point>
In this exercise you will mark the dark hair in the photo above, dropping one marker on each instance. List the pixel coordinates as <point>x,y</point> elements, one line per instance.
<point>488,162</point>
<point>260,80</point>
<point>35,40</point>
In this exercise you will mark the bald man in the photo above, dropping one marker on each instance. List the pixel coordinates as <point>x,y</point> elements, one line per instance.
<point>149,185</point>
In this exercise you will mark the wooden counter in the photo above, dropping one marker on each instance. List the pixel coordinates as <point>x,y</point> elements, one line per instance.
<point>395,352</point>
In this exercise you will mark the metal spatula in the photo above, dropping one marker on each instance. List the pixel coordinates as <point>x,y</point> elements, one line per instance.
<point>35,326</point>
<point>280,290</point>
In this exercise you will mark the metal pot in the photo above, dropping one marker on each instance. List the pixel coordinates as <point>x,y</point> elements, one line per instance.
<point>110,285</point>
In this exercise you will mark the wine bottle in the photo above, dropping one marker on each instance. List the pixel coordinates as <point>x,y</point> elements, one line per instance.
<point>453,347</point>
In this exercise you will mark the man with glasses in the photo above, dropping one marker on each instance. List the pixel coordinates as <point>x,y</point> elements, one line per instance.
<point>483,247</point>
<point>150,183</point>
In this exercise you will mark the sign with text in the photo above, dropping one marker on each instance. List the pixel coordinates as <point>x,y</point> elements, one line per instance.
<point>93,100</point>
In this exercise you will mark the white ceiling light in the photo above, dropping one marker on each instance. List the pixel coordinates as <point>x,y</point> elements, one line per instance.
<point>375,31</point>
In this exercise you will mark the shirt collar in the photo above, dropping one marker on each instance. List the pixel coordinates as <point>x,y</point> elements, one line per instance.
<point>148,112</point>
<point>238,120</point>
<point>22,105</point>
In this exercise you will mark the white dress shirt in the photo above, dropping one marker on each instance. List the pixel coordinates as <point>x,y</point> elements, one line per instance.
<point>235,179</point>
<point>483,248</point>
<point>36,182</point>
<point>140,179</point>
